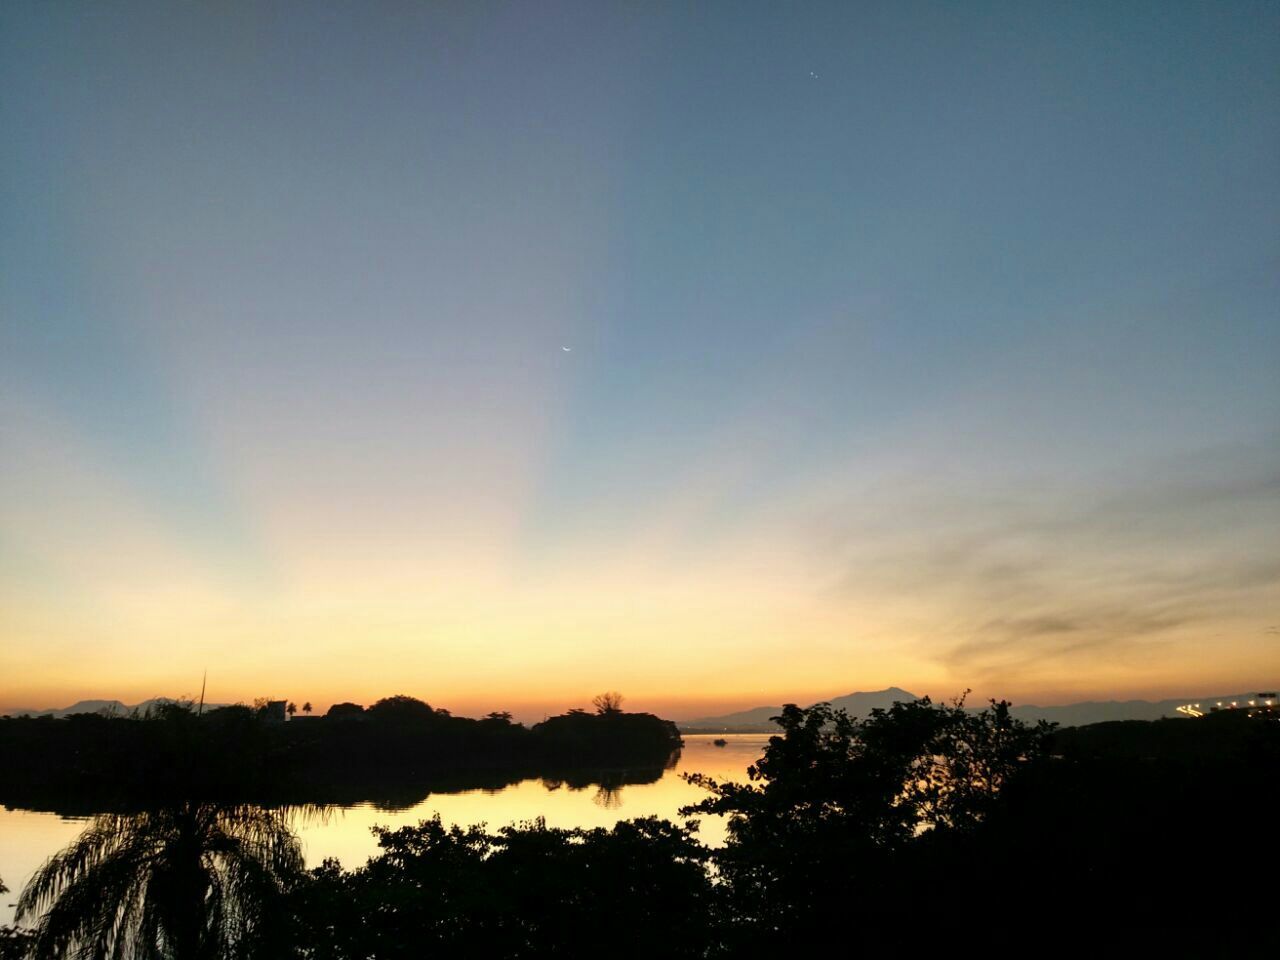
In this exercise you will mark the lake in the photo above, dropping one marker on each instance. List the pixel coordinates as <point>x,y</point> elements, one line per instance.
<point>28,838</point>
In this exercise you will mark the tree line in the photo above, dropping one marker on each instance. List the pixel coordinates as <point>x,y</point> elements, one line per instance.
<point>396,750</point>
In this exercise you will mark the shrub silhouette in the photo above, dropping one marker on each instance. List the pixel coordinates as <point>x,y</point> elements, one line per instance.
<point>834,805</point>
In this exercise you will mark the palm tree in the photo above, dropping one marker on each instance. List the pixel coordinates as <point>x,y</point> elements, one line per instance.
<point>306,708</point>
<point>191,882</point>
<point>608,703</point>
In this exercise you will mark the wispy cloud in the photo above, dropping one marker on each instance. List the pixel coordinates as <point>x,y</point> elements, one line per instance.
<point>1007,584</point>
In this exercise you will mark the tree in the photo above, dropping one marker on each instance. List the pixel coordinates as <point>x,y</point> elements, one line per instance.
<point>609,702</point>
<point>528,890</point>
<point>291,709</point>
<point>833,811</point>
<point>306,708</point>
<point>401,709</point>
<point>339,710</point>
<point>190,882</point>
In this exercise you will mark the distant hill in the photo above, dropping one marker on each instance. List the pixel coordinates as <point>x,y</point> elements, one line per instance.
<point>757,719</point>
<point>1098,711</point>
<point>101,706</point>
<point>1067,715</point>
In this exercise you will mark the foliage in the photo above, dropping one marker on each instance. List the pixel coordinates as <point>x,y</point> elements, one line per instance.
<point>184,882</point>
<point>399,748</point>
<point>345,710</point>
<point>400,709</point>
<point>608,702</point>
<point>525,891</point>
<point>578,738</point>
<point>916,818</point>
<point>821,825</point>
<point>912,767</point>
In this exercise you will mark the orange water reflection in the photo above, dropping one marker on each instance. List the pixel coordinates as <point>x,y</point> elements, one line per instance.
<point>28,838</point>
<point>345,833</point>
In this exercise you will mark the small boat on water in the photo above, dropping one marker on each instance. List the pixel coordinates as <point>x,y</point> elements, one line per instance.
<point>720,742</point>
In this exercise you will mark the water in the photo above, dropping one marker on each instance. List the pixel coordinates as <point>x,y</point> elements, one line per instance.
<point>27,838</point>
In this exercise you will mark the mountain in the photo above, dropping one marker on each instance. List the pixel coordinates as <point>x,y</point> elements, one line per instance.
<point>1065,715</point>
<point>1098,711</point>
<point>81,706</point>
<point>113,707</point>
<point>757,719</point>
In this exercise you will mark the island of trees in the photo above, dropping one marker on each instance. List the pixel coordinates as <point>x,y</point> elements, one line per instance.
<point>395,751</point>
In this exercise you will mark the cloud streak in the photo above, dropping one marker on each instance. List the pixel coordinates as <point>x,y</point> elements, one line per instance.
<point>1123,577</point>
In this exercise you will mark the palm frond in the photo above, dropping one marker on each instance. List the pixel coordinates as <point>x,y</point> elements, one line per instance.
<point>190,881</point>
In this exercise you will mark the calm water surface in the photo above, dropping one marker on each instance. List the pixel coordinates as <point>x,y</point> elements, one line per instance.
<point>27,839</point>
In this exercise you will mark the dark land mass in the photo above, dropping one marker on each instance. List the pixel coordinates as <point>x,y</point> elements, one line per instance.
<point>932,819</point>
<point>393,754</point>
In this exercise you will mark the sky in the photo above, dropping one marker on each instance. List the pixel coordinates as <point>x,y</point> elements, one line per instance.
<point>720,354</point>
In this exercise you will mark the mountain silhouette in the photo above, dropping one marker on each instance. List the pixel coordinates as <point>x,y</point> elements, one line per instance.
<point>757,719</point>
<point>1099,711</point>
<point>115,707</point>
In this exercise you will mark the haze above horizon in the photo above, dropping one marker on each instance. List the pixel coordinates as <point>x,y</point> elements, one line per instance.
<point>501,355</point>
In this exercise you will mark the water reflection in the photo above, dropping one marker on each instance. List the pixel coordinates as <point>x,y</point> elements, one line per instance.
<point>609,796</point>
<point>343,831</point>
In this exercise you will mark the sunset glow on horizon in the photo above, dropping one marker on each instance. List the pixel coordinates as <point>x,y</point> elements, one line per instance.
<point>504,355</point>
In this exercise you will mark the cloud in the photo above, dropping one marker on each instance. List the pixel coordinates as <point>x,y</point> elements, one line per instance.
<point>1006,582</point>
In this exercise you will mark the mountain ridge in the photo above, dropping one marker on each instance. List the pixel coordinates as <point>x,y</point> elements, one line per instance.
<point>857,704</point>
<point>756,720</point>
<point>116,707</point>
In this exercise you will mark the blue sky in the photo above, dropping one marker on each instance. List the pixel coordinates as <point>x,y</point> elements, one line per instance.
<point>945,335</point>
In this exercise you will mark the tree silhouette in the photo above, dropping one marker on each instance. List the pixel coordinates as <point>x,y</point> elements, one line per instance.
<point>306,708</point>
<point>834,807</point>
<point>345,709</point>
<point>528,890</point>
<point>189,882</point>
<point>291,709</point>
<point>401,709</point>
<point>609,702</point>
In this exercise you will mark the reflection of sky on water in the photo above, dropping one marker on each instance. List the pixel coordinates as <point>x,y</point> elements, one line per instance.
<point>345,833</point>
<point>27,839</point>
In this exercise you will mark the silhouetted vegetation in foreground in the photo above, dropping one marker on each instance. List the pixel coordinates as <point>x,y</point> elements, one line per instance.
<point>394,753</point>
<point>922,819</point>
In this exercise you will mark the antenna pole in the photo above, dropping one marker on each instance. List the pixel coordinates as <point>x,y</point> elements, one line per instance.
<point>203,680</point>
